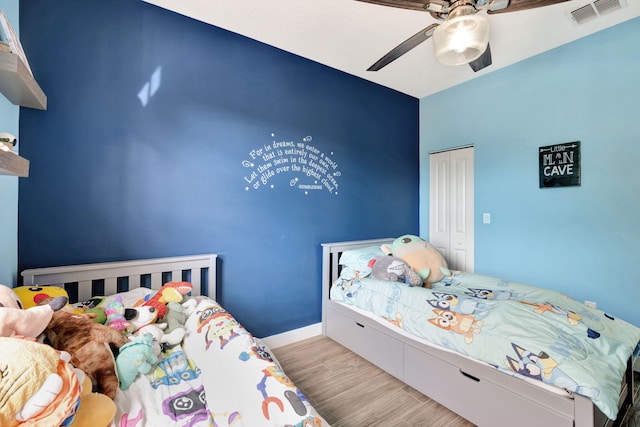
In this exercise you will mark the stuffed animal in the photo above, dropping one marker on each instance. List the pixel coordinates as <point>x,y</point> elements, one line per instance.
<point>139,317</point>
<point>96,409</point>
<point>394,270</point>
<point>97,314</point>
<point>170,291</point>
<point>175,317</point>
<point>135,357</point>
<point>421,256</point>
<point>38,387</point>
<point>28,323</point>
<point>31,296</point>
<point>88,343</point>
<point>161,339</point>
<point>115,316</point>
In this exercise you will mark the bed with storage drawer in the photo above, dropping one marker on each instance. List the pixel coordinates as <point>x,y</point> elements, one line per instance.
<point>498,353</point>
<point>217,375</point>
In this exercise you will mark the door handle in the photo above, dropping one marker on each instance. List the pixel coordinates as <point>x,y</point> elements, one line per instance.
<point>476,379</point>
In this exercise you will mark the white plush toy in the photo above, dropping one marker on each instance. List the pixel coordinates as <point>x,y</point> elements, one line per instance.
<point>156,330</point>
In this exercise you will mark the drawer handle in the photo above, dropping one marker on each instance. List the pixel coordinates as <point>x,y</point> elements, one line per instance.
<point>360,324</point>
<point>476,379</point>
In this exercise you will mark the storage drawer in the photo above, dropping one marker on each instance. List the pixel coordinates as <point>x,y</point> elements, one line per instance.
<point>479,400</point>
<point>360,335</point>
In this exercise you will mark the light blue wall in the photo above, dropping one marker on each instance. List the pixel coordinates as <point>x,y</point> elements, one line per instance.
<point>9,184</point>
<point>583,241</point>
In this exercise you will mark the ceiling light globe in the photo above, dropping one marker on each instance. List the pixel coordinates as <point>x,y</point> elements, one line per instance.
<point>463,37</point>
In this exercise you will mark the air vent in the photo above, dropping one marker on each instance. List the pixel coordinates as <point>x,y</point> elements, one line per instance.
<point>594,10</point>
<point>583,14</point>
<point>605,6</point>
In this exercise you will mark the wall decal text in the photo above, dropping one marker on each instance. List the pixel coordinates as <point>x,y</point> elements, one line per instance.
<point>297,164</point>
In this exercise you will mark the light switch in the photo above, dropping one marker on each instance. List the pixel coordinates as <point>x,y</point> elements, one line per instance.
<point>486,218</point>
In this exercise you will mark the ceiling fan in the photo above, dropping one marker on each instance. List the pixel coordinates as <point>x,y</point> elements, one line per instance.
<point>463,36</point>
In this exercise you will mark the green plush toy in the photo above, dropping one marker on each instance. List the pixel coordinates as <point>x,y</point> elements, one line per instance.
<point>421,256</point>
<point>135,357</point>
<point>175,317</point>
<point>97,314</point>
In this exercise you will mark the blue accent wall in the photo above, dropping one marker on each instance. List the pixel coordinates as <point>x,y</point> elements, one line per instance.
<point>9,114</point>
<point>167,136</point>
<point>583,241</point>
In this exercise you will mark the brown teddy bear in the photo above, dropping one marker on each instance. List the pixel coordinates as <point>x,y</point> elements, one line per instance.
<point>89,344</point>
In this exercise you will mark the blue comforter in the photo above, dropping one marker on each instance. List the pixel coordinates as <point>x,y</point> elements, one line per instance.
<point>519,329</point>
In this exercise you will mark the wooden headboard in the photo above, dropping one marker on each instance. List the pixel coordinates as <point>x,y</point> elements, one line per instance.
<point>113,277</point>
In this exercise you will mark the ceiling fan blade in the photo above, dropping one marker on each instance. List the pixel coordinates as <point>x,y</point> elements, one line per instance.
<point>482,61</point>
<point>403,4</point>
<point>404,47</point>
<point>518,5</point>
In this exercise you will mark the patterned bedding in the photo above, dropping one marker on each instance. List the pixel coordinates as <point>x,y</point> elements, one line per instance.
<point>218,376</point>
<point>518,329</point>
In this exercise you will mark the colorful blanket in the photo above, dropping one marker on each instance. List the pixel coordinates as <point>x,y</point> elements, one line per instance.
<point>519,329</point>
<point>219,376</point>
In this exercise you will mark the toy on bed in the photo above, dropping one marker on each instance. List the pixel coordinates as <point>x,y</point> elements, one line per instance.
<point>115,311</point>
<point>175,320</point>
<point>30,322</point>
<point>140,317</point>
<point>36,385</point>
<point>88,343</point>
<point>39,386</point>
<point>143,321</point>
<point>421,256</point>
<point>96,409</point>
<point>394,269</point>
<point>32,296</point>
<point>169,292</point>
<point>135,357</point>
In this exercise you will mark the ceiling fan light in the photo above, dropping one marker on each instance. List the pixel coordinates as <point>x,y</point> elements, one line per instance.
<point>462,38</point>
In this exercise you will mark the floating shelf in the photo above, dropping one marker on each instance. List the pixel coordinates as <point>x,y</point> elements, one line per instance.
<point>18,85</point>
<point>12,164</point>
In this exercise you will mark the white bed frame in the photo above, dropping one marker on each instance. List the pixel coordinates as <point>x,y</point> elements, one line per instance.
<point>475,391</point>
<point>152,273</point>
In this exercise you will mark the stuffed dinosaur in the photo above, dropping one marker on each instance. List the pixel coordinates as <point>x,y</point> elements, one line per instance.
<point>170,291</point>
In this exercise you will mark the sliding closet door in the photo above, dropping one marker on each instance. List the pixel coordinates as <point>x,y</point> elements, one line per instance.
<point>451,206</point>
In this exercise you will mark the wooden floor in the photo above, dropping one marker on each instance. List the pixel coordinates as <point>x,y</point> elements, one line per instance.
<point>348,391</point>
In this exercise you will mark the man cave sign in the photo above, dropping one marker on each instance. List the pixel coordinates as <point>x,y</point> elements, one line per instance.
<point>560,165</point>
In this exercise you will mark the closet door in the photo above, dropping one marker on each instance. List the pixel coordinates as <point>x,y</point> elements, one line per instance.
<point>451,206</point>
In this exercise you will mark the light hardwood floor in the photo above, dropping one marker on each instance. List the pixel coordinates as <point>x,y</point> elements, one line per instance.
<point>348,391</point>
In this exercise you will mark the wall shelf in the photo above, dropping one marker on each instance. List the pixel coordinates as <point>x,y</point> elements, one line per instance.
<point>12,164</point>
<point>17,83</point>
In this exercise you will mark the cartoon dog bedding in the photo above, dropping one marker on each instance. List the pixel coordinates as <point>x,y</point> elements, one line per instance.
<point>520,330</point>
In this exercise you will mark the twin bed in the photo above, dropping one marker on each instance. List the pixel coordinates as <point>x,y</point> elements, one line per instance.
<point>496,352</point>
<point>219,375</point>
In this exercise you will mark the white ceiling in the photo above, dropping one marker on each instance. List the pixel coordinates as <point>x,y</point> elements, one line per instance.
<point>349,35</point>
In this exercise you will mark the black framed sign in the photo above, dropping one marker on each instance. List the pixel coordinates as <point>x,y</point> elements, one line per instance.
<point>560,165</point>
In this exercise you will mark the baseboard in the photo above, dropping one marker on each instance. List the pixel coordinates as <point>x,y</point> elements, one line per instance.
<point>289,337</point>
